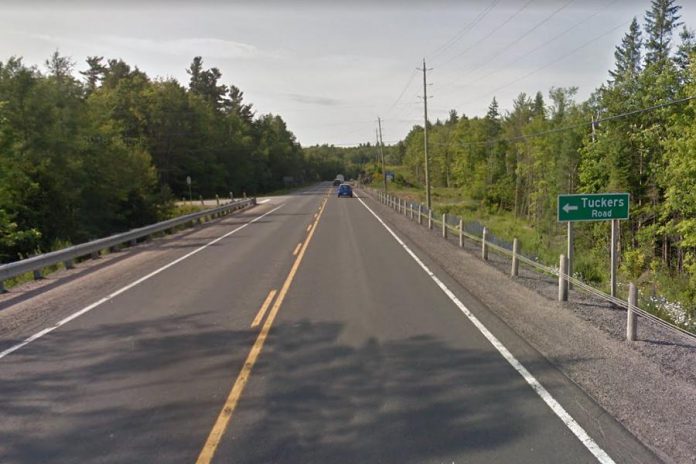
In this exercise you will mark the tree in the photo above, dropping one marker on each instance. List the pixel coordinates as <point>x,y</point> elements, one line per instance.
<point>94,74</point>
<point>660,21</point>
<point>628,55</point>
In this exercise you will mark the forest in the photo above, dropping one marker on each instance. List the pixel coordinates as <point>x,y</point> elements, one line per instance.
<point>635,134</point>
<point>84,154</point>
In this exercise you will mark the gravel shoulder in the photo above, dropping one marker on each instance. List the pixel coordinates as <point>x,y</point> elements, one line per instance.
<point>649,385</point>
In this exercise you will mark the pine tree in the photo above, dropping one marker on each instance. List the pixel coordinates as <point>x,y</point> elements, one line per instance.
<point>628,55</point>
<point>660,22</point>
<point>94,74</point>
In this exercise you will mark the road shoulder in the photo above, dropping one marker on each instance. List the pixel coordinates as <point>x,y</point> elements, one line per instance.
<point>655,407</point>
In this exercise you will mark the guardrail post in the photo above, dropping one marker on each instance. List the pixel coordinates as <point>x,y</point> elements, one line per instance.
<point>484,245</point>
<point>37,274</point>
<point>2,287</point>
<point>420,214</point>
<point>444,225</point>
<point>410,210</point>
<point>95,255</point>
<point>430,219</point>
<point>562,279</point>
<point>231,196</point>
<point>69,264</point>
<point>515,263</point>
<point>631,327</point>
<point>134,242</point>
<point>461,233</point>
<point>217,199</point>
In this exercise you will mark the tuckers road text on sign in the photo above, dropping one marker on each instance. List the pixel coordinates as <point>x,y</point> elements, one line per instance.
<point>593,207</point>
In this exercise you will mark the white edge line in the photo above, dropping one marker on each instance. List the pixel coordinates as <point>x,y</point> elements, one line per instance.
<point>544,394</point>
<point>109,297</point>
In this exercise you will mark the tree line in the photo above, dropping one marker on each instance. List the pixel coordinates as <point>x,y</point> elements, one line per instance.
<point>84,155</point>
<point>636,134</point>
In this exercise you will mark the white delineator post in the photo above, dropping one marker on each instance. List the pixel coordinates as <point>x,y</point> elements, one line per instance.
<point>484,245</point>
<point>444,225</point>
<point>420,214</point>
<point>430,218</point>
<point>631,327</point>
<point>461,232</point>
<point>562,281</point>
<point>514,272</point>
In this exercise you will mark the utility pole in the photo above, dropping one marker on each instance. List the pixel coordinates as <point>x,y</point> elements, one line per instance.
<point>381,152</point>
<point>425,133</point>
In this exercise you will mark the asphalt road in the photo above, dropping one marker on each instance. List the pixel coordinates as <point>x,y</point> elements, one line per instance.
<point>359,357</point>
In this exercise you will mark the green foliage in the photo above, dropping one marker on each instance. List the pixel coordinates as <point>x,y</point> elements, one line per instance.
<point>513,165</point>
<point>84,160</point>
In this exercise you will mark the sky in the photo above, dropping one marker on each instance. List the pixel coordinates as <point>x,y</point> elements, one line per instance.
<point>330,69</point>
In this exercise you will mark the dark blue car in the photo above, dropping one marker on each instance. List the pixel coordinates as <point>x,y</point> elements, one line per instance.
<point>344,190</point>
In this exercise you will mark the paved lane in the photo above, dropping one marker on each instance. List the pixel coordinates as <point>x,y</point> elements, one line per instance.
<point>139,378</point>
<point>366,361</point>
<point>369,361</point>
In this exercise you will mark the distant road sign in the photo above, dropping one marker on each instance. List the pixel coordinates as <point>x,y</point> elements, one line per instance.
<point>188,180</point>
<point>593,207</point>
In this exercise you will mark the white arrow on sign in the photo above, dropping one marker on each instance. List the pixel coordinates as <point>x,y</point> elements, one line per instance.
<point>568,208</point>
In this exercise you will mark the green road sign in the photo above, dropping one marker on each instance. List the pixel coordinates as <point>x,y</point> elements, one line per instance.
<point>592,207</point>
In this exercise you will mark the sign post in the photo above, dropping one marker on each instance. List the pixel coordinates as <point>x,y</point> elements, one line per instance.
<point>594,207</point>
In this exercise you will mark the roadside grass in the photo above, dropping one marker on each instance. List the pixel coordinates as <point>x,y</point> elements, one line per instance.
<point>181,209</point>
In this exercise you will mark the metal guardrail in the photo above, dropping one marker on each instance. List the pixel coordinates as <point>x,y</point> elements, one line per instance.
<point>504,248</point>
<point>68,255</point>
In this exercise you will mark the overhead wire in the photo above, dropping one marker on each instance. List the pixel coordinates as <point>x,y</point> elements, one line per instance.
<point>536,49</point>
<point>580,125</point>
<point>560,58</point>
<point>487,36</point>
<point>462,32</point>
<point>529,31</point>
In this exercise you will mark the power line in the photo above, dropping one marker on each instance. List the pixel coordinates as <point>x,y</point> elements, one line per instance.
<point>493,31</point>
<point>408,84</point>
<point>527,33</point>
<point>560,58</point>
<point>546,43</point>
<point>462,32</point>
<point>582,124</point>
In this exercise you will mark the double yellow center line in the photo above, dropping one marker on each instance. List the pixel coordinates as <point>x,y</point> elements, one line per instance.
<point>223,419</point>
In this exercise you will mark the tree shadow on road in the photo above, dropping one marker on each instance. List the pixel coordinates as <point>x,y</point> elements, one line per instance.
<point>149,391</point>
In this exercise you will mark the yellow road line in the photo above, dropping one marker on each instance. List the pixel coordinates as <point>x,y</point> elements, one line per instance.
<point>297,248</point>
<point>228,408</point>
<point>309,227</point>
<point>264,307</point>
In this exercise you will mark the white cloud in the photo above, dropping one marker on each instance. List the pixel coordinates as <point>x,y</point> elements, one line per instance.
<point>206,46</point>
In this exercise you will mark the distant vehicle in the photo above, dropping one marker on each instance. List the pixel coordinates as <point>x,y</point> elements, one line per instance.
<point>340,178</point>
<point>345,190</point>
<point>336,183</point>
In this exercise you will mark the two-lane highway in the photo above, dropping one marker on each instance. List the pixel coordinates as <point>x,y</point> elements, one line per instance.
<point>358,354</point>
